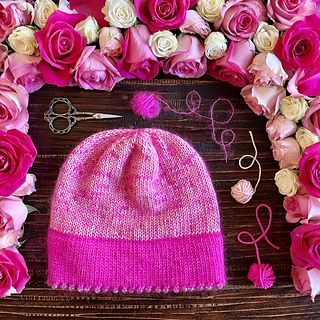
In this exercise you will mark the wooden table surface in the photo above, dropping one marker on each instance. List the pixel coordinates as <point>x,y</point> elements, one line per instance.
<point>239,300</point>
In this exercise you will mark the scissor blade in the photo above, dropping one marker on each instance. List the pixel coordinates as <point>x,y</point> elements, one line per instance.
<point>105,116</point>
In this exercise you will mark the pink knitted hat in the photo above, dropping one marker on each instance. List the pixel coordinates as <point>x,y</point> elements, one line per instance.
<point>133,211</point>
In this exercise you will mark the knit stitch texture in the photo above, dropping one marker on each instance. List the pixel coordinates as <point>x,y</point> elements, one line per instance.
<point>134,210</point>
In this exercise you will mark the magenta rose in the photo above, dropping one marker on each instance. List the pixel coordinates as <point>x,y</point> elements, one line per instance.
<point>285,13</point>
<point>17,154</point>
<point>299,45</point>
<point>3,55</point>
<point>13,106</point>
<point>162,14</point>
<point>60,47</point>
<point>138,61</point>
<point>240,18</point>
<point>13,271</point>
<point>305,247</point>
<point>24,70</point>
<point>95,71</point>
<point>233,66</point>
<point>311,119</point>
<point>189,61</point>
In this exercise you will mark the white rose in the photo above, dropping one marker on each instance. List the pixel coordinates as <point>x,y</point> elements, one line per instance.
<point>293,108</point>
<point>22,40</point>
<point>210,10</point>
<point>215,45</point>
<point>89,29</point>
<point>287,182</point>
<point>306,138</point>
<point>110,41</point>
<point>43,10</point>
<point>163,43</point>
<point>266,37</point>
<point>120,13</point>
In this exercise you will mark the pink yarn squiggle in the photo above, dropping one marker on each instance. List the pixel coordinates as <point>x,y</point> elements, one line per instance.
<point>193,102</point>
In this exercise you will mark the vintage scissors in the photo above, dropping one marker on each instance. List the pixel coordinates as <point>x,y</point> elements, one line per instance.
<point>72,116</point>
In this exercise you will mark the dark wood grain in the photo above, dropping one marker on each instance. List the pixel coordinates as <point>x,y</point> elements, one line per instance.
<point>239,300</point>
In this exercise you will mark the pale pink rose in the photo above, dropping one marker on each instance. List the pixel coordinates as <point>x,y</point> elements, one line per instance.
<point>287,152</point>
<point>111,41</point>
<point>189,61</point>
<point>13,106</point>
<point>279,127</point>
<point>27,187</point>
<point>95,71</point>
<point>194,24</point>
<point>263,100</point>
<point>3,55</point>
<point>24,70</point>
<point>267,70</point>
<point>240,18</point>
<point>301,279</point>
<point>10,238</point>
<point>297,207</point>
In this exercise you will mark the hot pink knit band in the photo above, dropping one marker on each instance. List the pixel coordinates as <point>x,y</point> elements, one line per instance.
<point>171,264</point>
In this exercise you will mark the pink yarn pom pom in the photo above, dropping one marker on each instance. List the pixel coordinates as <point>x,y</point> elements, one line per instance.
<point>146,104</point>
<point>261,275</point>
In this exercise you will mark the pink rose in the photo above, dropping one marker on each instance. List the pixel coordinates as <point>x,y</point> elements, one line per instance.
<point>60,47</point>
<point>299,45</point>
<point>194,24</point>
<point>24,70</point>
<point>95,71</point>
<point>232,67</point>
<point>189,61</point>
<point>111,41</point>
<point>10,238</point>
<point>27,187</point>
<point>284,13</point>
<point>287,152</point>
<point>13,15</point>
<point>14,272</point>
<point>240,18</point>
<point>162,14</point>
<point>138,61</point>
<point>263,99</point>
<point>17,154</point>
<point>310,169</point>
<point>311,119</point>
<point>3,55</point>
<point>267,70</point>
<point>305,246</point>
<point>279,127</point>
<point>13,106</point>
<point>301,279</point>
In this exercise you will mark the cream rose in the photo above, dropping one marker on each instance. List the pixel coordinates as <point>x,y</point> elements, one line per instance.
<point>22,40</point>
<point>89,29</point>
<point>43,10</point>
<point>210,10</point>
<point>287,182</point>
<point>293,108</point>
<point>306,138</point>
<point>215,45</point>
<point>266,37</point>
<point>163,43</point>
<point>120,13</point>
<point>110,41</point>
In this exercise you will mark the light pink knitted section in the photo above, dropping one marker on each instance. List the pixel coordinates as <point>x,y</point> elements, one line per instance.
<point>135,209</point>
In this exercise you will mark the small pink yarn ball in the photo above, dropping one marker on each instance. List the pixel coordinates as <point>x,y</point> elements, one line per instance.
<point>261,276</point>
<point>146,104</point>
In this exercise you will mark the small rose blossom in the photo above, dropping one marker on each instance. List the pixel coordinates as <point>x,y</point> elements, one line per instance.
<point>287,152</point>
<point>163,43</point>
<point>24,70</point>
<point>89,29</point>
<point>311,119</point>
<point>10,238</point>
<point>215,45</point>
<point>210,10</point>
<point>27,187</point>
<point>306,138</point>
<point>279,127</point>
<point>301,280</point>
<point>293,108</point>
<point>43,10</point>
<point>22,40</point>
<point>297,207</point>
<point>189,60</point>
<point>111,41</point>
<point>194,24</point>
<point>287,182</point>
<point>263,99</point>
<point>266,37</point>
<point>267,70</point>
<point>3,55</point>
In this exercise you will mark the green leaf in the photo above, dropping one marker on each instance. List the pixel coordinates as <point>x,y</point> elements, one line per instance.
<point>31,209</point>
